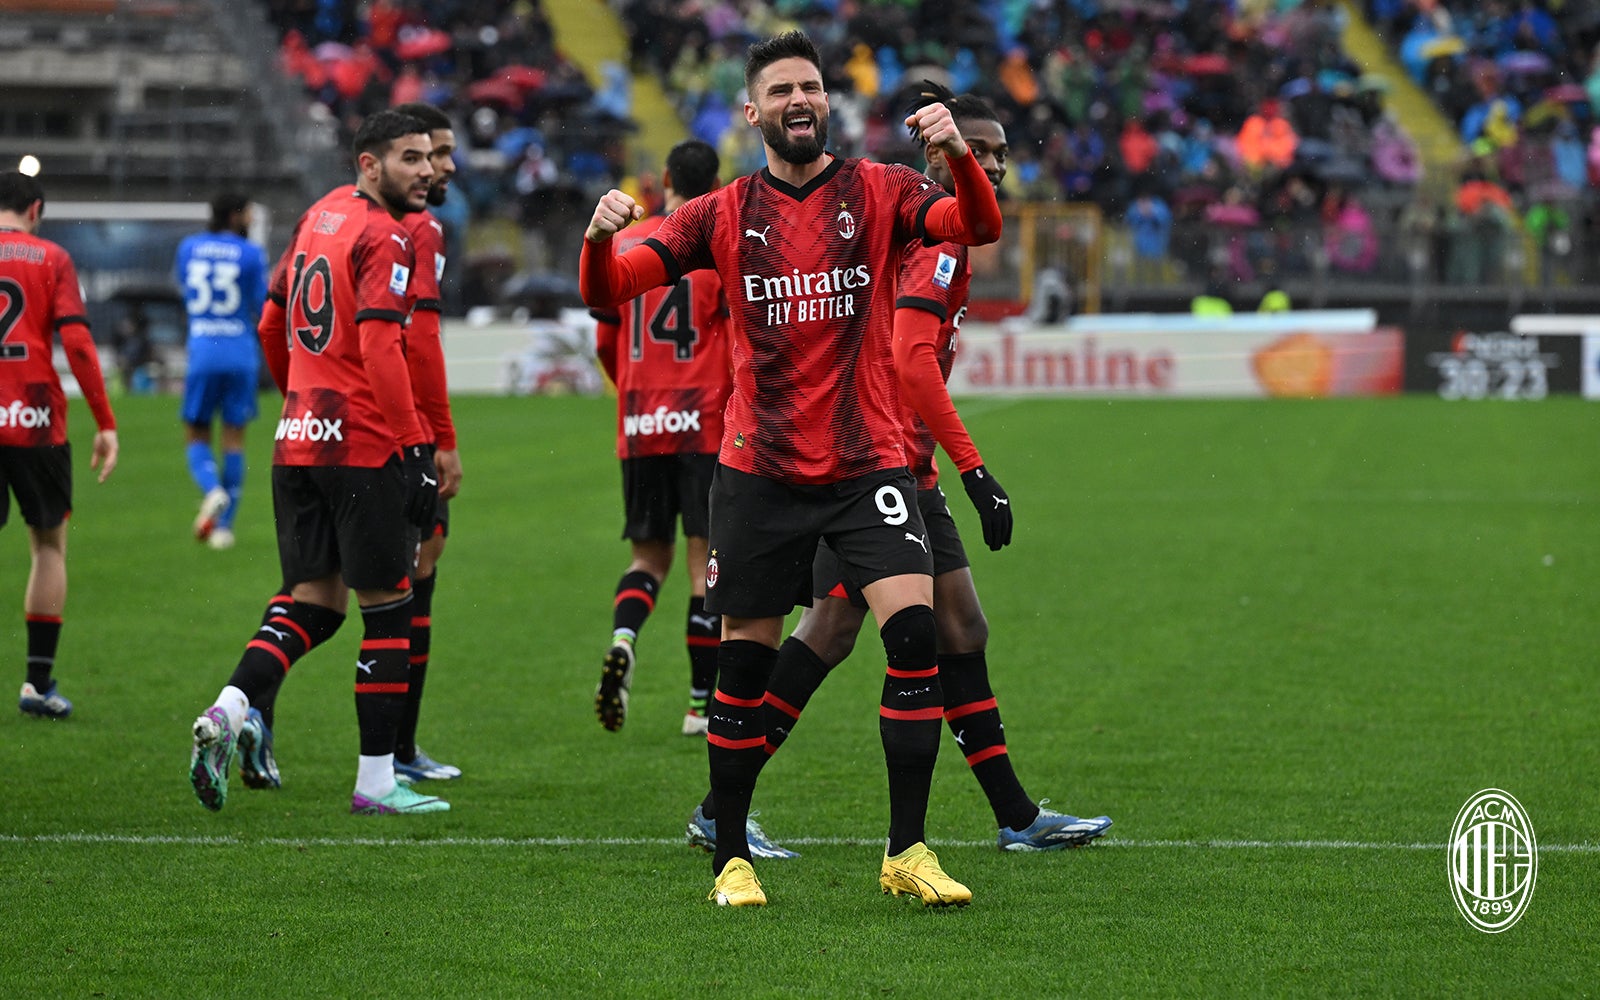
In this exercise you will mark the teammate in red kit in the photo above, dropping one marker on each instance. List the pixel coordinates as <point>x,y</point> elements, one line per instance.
<point>808,251</point>
<point>258,764</point>
<point>932,297</point>
<point>351,468</point>
<point>425,358</point>
<point>39,300</point>
<point>667,353</point>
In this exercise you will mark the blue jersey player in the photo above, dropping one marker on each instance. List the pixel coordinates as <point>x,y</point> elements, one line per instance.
<point>224,282</point>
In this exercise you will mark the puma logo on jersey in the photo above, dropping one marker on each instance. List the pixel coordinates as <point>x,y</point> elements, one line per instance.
<point>920,541</point>
<point>404,243</point>
<point>429,482</point>
<point>998,501</point>
<point>762,235</point>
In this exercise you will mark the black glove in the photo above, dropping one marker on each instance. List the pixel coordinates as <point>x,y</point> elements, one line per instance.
<point>994,507</point>
<point>422,484</point>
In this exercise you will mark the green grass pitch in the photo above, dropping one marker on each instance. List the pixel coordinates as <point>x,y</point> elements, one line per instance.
<point>1280,643</point>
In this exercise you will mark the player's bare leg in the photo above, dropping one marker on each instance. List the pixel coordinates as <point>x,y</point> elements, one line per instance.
<point>42,605</point>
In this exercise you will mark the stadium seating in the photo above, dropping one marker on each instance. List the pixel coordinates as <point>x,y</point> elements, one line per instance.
<point>160,100</point>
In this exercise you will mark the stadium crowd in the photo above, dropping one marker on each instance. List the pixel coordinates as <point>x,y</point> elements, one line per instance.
<point>1519,79</point>
<point>1237,138</point>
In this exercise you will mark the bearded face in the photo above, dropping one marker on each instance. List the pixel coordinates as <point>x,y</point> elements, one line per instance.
<point>790,107</point>
<point>797,136</point>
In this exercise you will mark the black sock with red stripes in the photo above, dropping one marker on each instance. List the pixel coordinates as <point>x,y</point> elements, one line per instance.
<point>974,719</point>
<point>796,675</point>
<point>382,674</point>
<point>636,598</point>
<point>908,721</point>
<point>795,678</point>
<point>277,645</point>
<point>44,634</point>
<point>702,635</point>
<point>736,744</point>
<point>405,744</point>
<point>280,604</point>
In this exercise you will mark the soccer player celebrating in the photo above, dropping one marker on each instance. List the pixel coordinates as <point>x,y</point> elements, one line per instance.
<point>807,250</point>
<point>424,352</point>
<point>931,300</point>
<point>40,299</point>
<point>667,353</point>
<point>351,468</point>
<point>224,280</point>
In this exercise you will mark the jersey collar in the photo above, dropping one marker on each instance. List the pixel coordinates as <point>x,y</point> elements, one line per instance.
<point>800,193</point>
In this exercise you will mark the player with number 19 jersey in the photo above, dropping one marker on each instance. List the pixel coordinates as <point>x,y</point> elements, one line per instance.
<point>668,353</point>
<point>348,260</point>
<point>810,278</point>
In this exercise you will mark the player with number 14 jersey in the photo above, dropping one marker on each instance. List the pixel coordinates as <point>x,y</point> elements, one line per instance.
<point>670,361</point>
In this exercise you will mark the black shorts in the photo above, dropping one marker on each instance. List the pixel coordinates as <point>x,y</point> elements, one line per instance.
<point>659,489</point>
<point>829,578</point>
<point>764,537</point>
<point>344,519</point>
<point>41,480</point>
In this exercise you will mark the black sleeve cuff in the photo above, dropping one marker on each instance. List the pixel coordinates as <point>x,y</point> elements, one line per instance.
<point>926,305</point>
<point>673,271</point>
<point>384,314</point>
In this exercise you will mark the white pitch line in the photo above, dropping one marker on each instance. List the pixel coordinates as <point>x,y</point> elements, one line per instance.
<point>232,841</point>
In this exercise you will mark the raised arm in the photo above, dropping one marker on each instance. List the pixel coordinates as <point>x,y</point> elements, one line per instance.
<point>974,217</point>
<point>605,278</point>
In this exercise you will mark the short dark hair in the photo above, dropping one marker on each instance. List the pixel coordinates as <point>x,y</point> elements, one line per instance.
<point>692,166</point>
<point>223,206</point>
<point>966,107</point>
<point>427,114</point>
<point>382,128</point>
<point>789,45</point>
<point>18,191</point>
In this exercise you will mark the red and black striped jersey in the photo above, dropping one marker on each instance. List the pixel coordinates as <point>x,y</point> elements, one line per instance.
<point>669,352</point>
<point>934,279</point>
<point>427,240</point>
<point>348,260</point>
<point>39,297</point>
<point>810,277</point>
